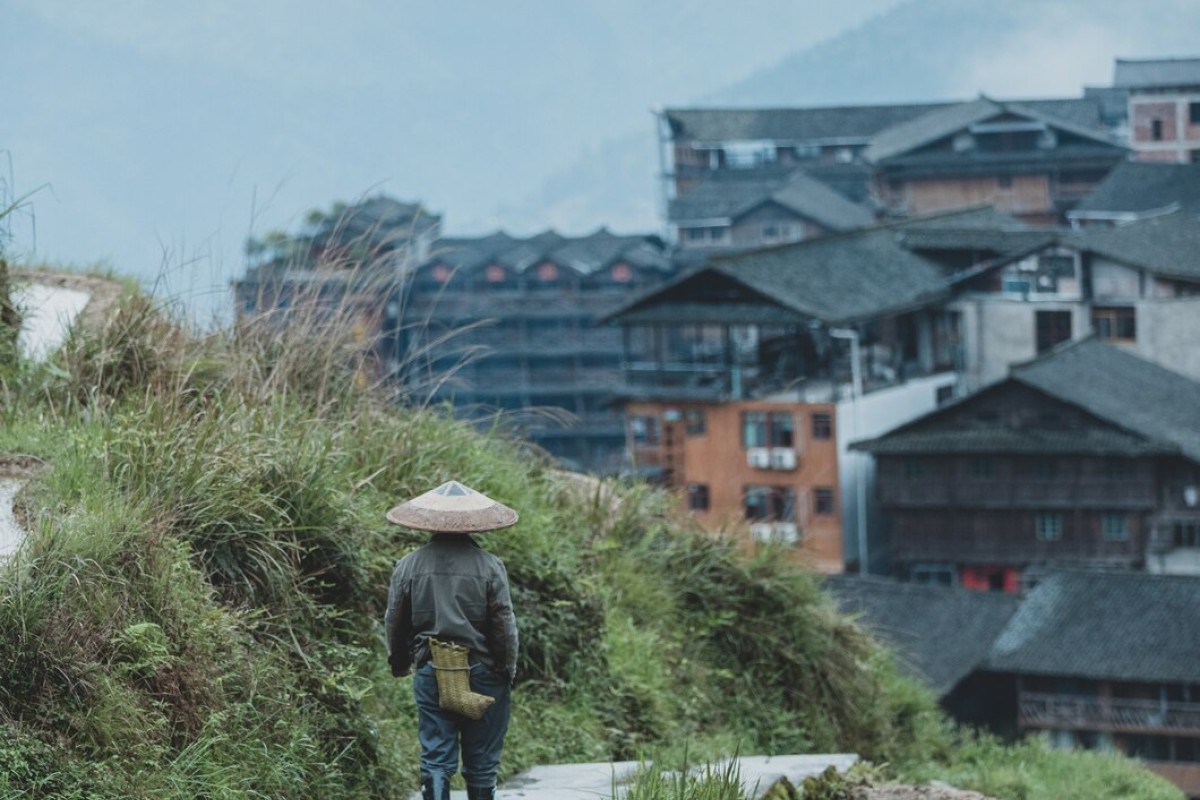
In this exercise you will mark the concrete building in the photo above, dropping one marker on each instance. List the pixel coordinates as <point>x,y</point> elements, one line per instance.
<point>1164,107</point>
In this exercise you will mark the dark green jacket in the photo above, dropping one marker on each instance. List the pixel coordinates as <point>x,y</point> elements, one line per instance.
<point>453,590</point>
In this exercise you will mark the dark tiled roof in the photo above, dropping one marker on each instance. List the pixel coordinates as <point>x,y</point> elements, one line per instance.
<point>1165,245</point>
<point>724,196</point>
<point>837,279</point>
<point>790,124</point>
<point>377,220</point>
<point>1114,385</point>
<point>1154,411</point>
<point>1107,626</point>
<point>840,279</point>
<point>1156,73</point>
<point>941,123</point>
<point>585,254</point>
<point>984,439</point>
<point>940,635</point>
<point>1142,186</point>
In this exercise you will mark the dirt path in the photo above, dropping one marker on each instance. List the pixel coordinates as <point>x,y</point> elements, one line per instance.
<point>916,793</point>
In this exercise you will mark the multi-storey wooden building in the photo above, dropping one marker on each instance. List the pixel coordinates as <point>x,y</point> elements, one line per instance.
<point>1086,457</point>
<point>505,325</point>
<point>1098,661</point>
<point>1034,159</point>
<point>1015,157</point>
<point>767,206</point>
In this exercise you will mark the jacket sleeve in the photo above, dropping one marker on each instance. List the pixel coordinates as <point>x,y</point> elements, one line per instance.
<point>502,623</point>
<point>397,623</point>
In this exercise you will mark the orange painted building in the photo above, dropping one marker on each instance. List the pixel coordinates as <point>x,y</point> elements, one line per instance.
<point>759,470</point>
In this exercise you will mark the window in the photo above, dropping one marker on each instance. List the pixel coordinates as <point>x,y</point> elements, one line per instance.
<point>1156,130</point>
<point>1117,470</point>
<point>1048,527</point>
<point>1115,324</point>
<point>770,504</point>
<point>780,429</point>
<point>645,429</point>
<point>1186,534</point>
<point>1039,469</point>
<point>1194,113</point>
<point>704,237</point>
<point>1053,328</point>
<point>763,429</point>
<point>695,422</point>
<point>822,425</point>
<point>933,575</point>
<point>754,429</point>
<point>697,496</point>
<point>1115,527</point>
<point>823,501</point>
<point>982,468</point>
<point>771,232</point>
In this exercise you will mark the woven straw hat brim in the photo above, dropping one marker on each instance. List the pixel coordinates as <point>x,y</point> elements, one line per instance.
<point>493,518</point>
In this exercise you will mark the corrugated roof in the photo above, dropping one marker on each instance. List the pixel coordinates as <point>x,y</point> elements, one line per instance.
<point>725,195</point>
<point>940,635</point>
<point>1109,626</point>
<point>1156,73</point>
<point>983,439</point>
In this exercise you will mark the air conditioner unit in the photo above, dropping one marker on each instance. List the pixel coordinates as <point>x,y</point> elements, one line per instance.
<point>758,458</point>
<point>762,532</point>
<point>783,458</point>
<point>787,532</point>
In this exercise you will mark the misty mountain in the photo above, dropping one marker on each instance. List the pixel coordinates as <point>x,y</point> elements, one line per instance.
<point>921,50</point>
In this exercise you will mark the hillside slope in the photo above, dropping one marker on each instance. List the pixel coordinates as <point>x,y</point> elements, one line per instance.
<point>196,610</point>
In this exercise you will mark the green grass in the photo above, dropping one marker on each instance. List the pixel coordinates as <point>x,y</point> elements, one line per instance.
<point>197,610</point>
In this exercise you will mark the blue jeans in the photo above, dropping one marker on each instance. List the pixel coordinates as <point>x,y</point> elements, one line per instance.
<point>439,731</point>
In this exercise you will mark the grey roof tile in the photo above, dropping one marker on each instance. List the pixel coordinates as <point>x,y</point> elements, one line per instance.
<point>1139,396</point>
<point>790,124</point>
<point>1156,73</point>
<point>1143,186</point>
<point>1105,626</point>
<point>724,197</point>
<point>940,635</point>
<point>903,138</point>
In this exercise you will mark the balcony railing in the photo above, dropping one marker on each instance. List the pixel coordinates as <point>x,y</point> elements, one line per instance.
<point>1016,492</point>
<point>1113,714</point>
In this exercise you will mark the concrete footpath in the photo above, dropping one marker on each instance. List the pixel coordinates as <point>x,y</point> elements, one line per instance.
<point>597,781</point>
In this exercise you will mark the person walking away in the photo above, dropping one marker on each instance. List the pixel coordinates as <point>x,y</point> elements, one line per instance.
<point>450,616</point>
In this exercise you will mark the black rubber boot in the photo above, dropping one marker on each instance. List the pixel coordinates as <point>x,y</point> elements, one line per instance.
<point>435,787</point>
<point>481,792</point>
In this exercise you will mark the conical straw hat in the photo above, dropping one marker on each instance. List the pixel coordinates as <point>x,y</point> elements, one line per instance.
<point>453,508</point>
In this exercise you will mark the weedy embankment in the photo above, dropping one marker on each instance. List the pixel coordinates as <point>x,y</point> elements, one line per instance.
<point>196,611</point>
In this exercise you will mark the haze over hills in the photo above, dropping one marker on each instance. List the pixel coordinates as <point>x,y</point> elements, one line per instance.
<point>168,133</point>
<point>920,50</point>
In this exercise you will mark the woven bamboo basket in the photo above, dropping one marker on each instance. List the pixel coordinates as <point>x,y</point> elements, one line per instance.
<point>454,680</point>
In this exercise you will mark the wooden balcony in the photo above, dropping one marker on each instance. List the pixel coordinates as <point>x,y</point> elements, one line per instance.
<point>1105,714</point>
<point>1016,493</point>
